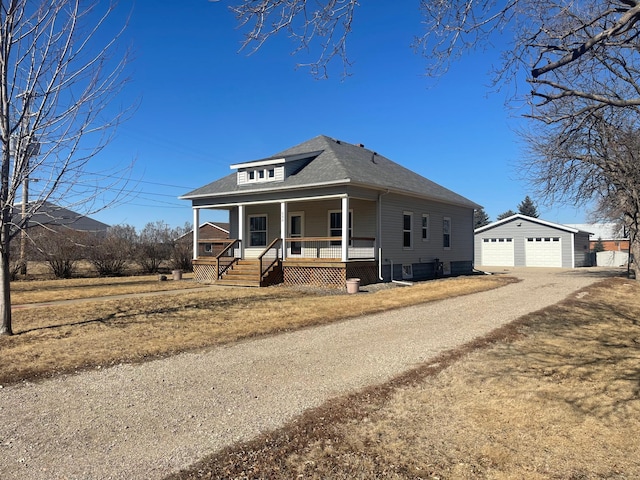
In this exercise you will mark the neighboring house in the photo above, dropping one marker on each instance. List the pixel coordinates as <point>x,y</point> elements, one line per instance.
<point>613,236</point>
<point>521,241</point>
<point>212,238</point>
<point>326,210</point>
<point>614,240</point>
<point>56,217</point>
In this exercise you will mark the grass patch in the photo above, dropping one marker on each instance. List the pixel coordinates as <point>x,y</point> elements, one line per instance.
<point>553,395</point>
<point>65,338</point>
<point>26,292</point>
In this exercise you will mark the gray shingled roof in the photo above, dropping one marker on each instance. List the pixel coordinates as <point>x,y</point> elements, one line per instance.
<point>51,215</point>
<point>339,163</point>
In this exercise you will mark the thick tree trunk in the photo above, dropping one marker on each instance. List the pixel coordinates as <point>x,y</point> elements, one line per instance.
<point>5,293</point>
<point>634,257</point>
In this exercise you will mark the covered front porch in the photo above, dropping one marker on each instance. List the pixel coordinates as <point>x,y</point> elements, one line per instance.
<point>317,241</point>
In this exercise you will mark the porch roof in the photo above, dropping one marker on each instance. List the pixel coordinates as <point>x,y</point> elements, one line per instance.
<point>332,163</point>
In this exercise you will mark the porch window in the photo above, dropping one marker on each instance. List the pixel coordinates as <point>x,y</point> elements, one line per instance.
<point>446,232</point>
<point>208,248</point>
<point>407,230</point>
<point>335,225</point>
<point>425,227</point>
<point>258,231</point>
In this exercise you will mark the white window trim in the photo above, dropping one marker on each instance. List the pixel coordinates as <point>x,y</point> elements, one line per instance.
<point>249,217</point>
<point>444,221</point>
<point>410,247</point>
<point>425,238</point>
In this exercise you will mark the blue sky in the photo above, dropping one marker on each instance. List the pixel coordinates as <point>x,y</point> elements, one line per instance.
<point>204,106</point>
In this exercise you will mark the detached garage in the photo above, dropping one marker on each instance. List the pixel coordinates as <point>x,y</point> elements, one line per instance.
<point>521,241</point>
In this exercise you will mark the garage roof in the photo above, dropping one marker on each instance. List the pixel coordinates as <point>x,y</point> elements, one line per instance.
<point>519,216</point>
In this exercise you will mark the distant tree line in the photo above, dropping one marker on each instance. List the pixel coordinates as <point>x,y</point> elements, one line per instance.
<point>119,250</point>
<point>526,207</point>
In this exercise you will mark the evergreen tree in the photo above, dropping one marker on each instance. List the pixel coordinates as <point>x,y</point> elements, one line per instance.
<point>506,214</point>
<point>528,208</point>
<point>480,218</point>
<point>599,246</point>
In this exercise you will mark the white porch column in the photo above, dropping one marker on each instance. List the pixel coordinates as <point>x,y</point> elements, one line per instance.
<point>196,232</point>
<point>283,228</point>
<point>241,229</point>
<point>345,228</point>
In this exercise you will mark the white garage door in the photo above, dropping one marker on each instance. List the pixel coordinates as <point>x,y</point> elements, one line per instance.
<point>543,252</point>
<point>497,252</point>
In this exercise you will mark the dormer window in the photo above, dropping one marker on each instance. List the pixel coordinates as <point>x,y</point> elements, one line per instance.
<point>272,169</point>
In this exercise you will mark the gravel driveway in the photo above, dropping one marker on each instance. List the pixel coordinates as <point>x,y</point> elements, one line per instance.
<point>145,421</point>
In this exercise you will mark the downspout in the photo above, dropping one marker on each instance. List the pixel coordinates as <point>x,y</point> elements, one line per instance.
<point>380,237</point>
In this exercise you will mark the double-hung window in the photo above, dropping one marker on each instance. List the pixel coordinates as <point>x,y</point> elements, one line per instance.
<point>407,230</point>
<point>258,231</point>
<point>446,232</point>
<point>335,225</point>
<point>425,227</point>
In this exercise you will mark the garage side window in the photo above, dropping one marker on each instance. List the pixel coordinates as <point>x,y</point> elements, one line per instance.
<point>446,232</point>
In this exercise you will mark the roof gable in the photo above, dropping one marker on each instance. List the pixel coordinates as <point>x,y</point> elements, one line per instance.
<point>336,162</point>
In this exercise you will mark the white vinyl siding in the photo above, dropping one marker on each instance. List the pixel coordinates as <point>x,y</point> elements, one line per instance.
<point>391,222</point>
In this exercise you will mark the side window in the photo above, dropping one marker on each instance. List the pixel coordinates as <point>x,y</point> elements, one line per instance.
<point>407,230</point>
<point>446,232</point>
<point>425,227</point>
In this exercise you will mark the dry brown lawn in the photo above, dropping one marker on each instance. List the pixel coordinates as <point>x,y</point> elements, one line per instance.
<point>64,338</point>
<point>555,395</point>
<point>26,292</point>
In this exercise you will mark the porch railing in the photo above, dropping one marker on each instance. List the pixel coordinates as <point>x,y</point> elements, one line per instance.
<point>330,248</point>
<point>270,256</point>
<point>227,257</point>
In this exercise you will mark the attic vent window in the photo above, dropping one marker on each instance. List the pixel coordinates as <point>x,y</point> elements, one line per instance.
<point>262,174</point>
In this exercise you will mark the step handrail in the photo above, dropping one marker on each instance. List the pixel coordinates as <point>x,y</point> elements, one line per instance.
<point>221,254</point>
<point>272,245</point>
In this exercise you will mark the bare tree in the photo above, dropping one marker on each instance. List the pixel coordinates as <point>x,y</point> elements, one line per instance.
<point>581,62</point>
<point>319,26</point>
<point>598,158</point>
<point>111,253</point>
<point>56,79</point>
<point>154,247</point>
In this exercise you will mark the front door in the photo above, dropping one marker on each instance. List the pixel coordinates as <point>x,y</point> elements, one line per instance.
<point>296,230</point>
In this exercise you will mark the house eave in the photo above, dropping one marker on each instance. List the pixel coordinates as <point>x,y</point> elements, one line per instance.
<point>236,193</point>
<point>346,181</point>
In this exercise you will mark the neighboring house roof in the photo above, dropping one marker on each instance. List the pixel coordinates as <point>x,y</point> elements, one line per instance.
<point>333,162</point>
<point>603,231</point>
<point>224,228</point>
<point>51,215</point>
<point>519,216</point>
